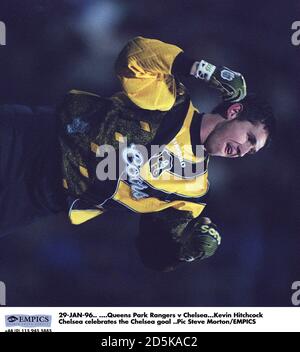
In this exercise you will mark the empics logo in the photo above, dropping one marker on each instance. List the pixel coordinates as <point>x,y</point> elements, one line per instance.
<point>12,319</point>
<point>2,33</point>
<point>296,294</point>
<point>28,320</point>
<point>296,35</point>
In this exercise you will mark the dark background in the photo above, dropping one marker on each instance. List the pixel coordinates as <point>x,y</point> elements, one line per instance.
<point>53,46</point>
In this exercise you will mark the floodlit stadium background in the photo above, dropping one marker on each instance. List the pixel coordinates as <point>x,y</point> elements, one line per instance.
<point>53,46</point>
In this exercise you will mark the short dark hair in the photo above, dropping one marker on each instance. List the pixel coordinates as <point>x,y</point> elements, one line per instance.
<point>256,110</point>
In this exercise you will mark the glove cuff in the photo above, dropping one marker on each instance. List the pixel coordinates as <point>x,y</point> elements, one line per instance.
<point>203,70</point>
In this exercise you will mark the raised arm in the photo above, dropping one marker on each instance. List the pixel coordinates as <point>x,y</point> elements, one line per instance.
<point>144,68</point>
<point>148,68</point>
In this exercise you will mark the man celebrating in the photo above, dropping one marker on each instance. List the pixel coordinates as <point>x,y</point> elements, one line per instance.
<point>154,109</point>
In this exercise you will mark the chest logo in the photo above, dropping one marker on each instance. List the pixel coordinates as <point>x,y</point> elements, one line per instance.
<point>160,163</point>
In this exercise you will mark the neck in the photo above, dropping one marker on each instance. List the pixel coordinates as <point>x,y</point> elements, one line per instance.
<point>209,123</point>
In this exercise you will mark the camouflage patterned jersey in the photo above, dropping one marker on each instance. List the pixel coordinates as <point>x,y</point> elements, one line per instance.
<point>154,108</point>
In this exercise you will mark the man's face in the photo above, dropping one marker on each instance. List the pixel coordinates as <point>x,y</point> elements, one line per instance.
<point>234,138</point>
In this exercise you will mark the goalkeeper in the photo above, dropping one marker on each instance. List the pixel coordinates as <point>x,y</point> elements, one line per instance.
<point>154,108</point>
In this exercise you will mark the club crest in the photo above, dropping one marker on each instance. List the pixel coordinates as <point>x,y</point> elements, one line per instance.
<point>160,163</point>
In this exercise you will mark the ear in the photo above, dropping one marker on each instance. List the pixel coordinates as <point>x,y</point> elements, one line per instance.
<point>234,110</point>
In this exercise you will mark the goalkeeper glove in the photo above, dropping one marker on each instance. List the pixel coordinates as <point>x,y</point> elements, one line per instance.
<point>231,84</point>
<point>200,240</point>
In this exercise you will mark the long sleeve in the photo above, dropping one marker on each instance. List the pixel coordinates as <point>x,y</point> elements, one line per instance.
<point>144,68</point>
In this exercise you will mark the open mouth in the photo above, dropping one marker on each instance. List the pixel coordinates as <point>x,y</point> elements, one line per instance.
<point>228,149</point>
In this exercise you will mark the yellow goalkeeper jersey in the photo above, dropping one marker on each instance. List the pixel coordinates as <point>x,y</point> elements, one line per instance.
<point>154,109</point>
